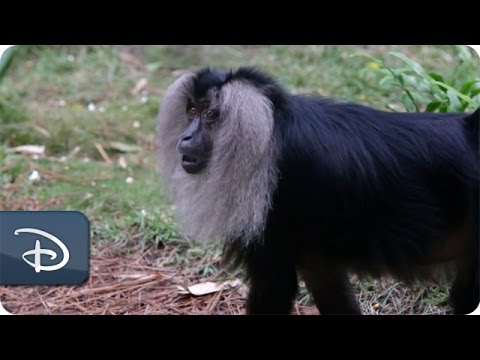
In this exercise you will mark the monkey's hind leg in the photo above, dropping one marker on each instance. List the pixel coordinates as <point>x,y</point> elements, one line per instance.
<point>465,292</point>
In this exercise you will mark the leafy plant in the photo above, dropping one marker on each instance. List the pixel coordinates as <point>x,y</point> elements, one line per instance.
<point>5,61</point>
<point>428,91</point>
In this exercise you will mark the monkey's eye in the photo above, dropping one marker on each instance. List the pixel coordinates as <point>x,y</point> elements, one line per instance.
<point>210,114</point>
<point>192,111</point>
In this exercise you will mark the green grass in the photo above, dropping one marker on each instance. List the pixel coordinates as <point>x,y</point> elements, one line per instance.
<point>44,99</point>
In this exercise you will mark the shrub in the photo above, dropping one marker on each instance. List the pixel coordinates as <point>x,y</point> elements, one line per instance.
<point>428,91</point>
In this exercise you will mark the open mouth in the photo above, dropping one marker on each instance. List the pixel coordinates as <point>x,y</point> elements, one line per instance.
<point>189,160</point>
<point>191,164</point>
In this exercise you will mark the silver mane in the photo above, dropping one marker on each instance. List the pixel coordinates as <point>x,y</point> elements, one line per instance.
<point>231,198</point>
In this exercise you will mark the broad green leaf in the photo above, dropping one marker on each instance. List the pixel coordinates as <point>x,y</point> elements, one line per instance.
<point>474,93</point>
<point>6,60</point>
<point>455,91</point>
<point>432,86</point>
<point>464,105</point>
<point>434,105</point>
<point>443,108</point>
<point>467,86</point>
<point>440,87</point>
<point>436,77</point>
<point>409,105</point>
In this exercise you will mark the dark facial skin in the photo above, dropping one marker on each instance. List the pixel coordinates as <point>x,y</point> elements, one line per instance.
<point>196,142</point>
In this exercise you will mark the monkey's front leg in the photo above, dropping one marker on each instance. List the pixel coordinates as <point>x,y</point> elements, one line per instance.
<point>329,287</point>
<point>273,285</point>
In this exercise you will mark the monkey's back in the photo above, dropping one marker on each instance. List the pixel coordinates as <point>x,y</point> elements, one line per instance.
<point>378,190</point>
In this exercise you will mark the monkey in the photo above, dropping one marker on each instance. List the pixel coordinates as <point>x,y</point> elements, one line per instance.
<point>302,186</point>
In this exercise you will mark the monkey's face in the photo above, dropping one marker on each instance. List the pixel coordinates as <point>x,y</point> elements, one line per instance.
<point>217,154</point>
<point>196,142</point>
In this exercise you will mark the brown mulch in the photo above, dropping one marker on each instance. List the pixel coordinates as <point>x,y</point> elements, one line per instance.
<point>32,204</point>
<point>133,285</point>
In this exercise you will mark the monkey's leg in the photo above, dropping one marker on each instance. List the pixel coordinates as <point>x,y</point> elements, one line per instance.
<point>273,286</point>
<point>465,292</point>
<point>331,290</point>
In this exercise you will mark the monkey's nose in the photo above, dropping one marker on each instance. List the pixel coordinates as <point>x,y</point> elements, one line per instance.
<point>185,145</point>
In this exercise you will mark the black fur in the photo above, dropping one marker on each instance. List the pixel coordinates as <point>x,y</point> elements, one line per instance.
<point>361,190</point>
<point>208,78</point>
